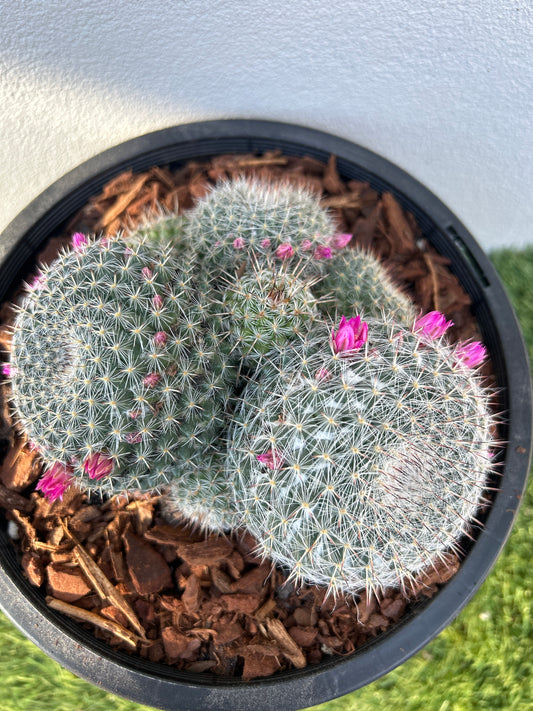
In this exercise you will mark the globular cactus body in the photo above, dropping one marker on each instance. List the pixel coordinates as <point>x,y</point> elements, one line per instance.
<point>272,220</point>
<point>358,283</point>
<point>356,470</point>
<point>116,376</point>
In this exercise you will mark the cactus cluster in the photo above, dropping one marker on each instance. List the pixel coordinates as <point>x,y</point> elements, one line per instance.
<point>274,376</point>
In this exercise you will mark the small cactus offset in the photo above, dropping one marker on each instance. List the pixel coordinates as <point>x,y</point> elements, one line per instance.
<point>273,220</point>
<point>361,457</point>
<point>202,497</point>
<point>266,308</point>
<point>358,283</point>
<point>117,379</point>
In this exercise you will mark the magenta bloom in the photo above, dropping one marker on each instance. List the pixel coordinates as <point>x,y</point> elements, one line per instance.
<point>55,481</point>
<point>305,245</point>
<point>147,273</point>
<point>433,325</point>
<point>98,465</point>
<point>350,335</point>
<point>160,339</point>
<point>157,302</point>
<point>7,370</point>
<point>151,380</point>
<point>79,241</point>
<point>265,243</point>
<point>469,354</point>
<point>38,281</point>
<point>322,252</point>
<point>134,437</point>
<point>340,240</point>
<point>285,251</point>
<point>272,459</point>
<point>238,243</point>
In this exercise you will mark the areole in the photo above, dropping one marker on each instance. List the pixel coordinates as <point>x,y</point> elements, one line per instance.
<point>166,687</point>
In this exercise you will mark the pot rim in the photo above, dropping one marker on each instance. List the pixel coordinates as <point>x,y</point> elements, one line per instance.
<point>164,687</point>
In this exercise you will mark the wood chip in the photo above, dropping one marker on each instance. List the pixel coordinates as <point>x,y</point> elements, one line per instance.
<point>123,201</point>
<point>290,649</point>
<point>94,619</point>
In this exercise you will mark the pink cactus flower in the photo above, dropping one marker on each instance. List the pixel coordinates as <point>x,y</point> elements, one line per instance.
<point>79,241</point>
<point>7,370</point>
<point>217,243</point>
<point>265,243</point>
<point>469,355</point>
<point>239,243</point>
<point>272,459</point>
<point>134,437</point>
<point>151,380</point>
<point>339,241</point>
<point>157,302</point>
<point>350,336</point>
<point>322,252</point>
<point>432,326</point>
<point>285,251</point>
<point>323,375</point>
<point>134,414</point>
<point>305,245</point>
<point>98,465</point>
<point>55,481</point>
<point>38,281</point>
<point>147,273</point>
<point>160,339</point>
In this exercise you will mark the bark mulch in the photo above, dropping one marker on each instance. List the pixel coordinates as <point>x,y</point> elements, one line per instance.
<point>170,594</point>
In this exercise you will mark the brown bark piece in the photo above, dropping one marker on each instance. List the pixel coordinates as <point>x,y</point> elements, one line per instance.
<point>148,569</point>
<point>240,602</point>
<point>259,665</point>
<point>33,568</point>
<point>208,552</point>
<point>67,584</point>
<point>178,645</point>
<point>20,467</point>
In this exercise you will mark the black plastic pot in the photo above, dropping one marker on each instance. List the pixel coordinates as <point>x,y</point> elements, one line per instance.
<point>162,686</point>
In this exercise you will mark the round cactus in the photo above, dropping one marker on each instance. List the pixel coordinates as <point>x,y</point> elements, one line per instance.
<point>358,283</point>
<point>266,308</point>
<point>275,220</point>
<point>202,497</point>
<point>361,457</point>
<point>117,378</point>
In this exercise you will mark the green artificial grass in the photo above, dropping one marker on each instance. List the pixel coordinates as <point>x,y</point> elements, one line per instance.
<point>481,662</point>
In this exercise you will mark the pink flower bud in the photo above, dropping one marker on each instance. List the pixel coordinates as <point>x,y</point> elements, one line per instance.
<point>340,240</point>
<point>157,302</point>
<point>305,245</point>
<point>147,273</point>
<point>238,243</point>
<point>265,243</point>
<point>7,370</point>
<point>134,437</point>
<point>134,414</point>
<point>151,380</point>
<point>323,374</point>
<point>98,465</point>
<point>38,281</point>
<point>79,241</point>
<point>469,355</point>
<point>272,459</point>
<point>350,336</point>
<point>55,481</point>
<point>160,339</point>
<point>285,251</point>
<point>432,326</point>
<point>217,243</point>
<point>322,252</point>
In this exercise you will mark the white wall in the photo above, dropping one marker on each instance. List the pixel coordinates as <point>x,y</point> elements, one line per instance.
<point>443,88</point>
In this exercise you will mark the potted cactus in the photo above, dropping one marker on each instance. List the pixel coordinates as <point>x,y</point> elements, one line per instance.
<point>250,362</point>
